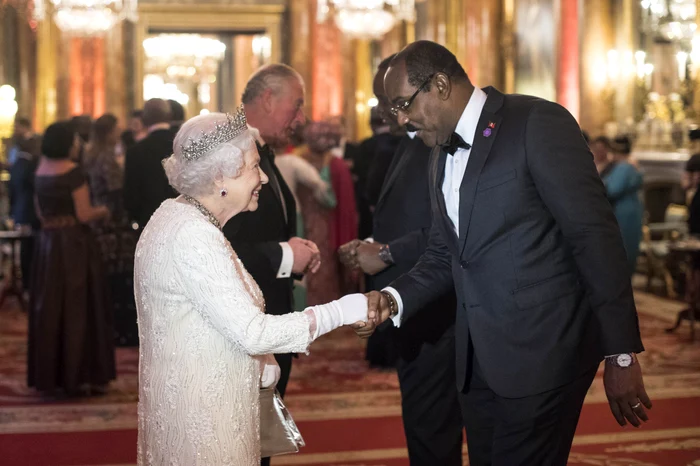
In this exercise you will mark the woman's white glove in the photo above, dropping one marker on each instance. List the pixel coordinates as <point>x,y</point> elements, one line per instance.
<point>345,311</point>
<point>270,371</point>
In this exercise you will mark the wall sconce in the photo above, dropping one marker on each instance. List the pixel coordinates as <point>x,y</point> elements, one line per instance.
<point>8,110</point>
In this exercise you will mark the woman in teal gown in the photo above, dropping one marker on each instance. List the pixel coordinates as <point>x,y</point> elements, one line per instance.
<point>623,183</point>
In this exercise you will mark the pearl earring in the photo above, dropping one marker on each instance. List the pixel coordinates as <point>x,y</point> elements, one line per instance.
<point>224,192</point>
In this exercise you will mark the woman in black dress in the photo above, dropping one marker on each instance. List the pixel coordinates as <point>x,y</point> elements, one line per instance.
<point>70,324</point>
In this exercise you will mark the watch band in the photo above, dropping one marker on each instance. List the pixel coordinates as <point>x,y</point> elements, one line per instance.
<point>623,360</point>
<point>385,255</point>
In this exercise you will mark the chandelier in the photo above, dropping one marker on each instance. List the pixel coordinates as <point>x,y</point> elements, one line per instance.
<point>366,19</point>
<point>87,17</point>
<point>670,20</point>
<point>189,46</point>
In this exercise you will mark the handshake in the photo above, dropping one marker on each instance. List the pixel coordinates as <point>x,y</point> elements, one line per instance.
<point>363,313</point>
<point>307,257</point>
<point>362,255</point>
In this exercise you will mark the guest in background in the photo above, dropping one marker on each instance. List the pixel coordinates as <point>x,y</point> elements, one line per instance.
<point>22,131</point>
<point>115,237</point>
<point>83,126</point>
<point>297,172</point>
<point>374,156</point>
<point>177,115</point>
<point>101,163</point>
<point>136,132</point>
<point>694,137</point>
<point>623,183</point>
<point>690,183</point>
<point>345,149</point>
<point>21,194</point>
<point>145,184</point>
<point>329,228</point>
<point>70,321</point>
<point>600,147</point>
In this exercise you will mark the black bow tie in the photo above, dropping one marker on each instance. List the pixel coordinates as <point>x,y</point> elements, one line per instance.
<point>265,151</point>
<point>455,142</point>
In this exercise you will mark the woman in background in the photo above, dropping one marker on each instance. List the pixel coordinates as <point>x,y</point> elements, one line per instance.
<point>70,321</point>
<point>117,240</point>
<point>328,227</point>
<point>623,183</point>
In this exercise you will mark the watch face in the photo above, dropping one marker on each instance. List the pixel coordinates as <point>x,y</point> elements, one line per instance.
<point>624,360</point>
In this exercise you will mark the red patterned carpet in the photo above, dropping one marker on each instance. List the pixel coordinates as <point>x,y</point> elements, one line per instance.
<point>348,414</point>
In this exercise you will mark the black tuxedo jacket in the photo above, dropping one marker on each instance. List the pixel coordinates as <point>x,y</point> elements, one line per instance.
<point>255,236</point>
<point>539,266</point>
<point>402,220</point>
<point>145,183</point>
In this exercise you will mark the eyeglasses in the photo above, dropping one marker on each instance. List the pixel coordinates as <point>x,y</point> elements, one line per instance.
<point>403,107</point>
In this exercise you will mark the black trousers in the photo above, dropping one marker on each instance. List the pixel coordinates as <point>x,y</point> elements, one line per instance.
<point>285,363</point>
<point>430,404</point>
<point>533,431</point>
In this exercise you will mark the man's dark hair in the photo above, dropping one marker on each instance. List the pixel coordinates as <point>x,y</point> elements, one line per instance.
<point>603,140</point>
<point>384,64</point>
<point>156,111</point>
<point>177,111</point>
<point>424,59</point>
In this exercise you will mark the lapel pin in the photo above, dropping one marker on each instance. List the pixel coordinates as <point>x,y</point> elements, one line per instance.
<point>489,129</point>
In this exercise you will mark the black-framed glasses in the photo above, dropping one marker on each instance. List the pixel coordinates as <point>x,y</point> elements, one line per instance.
<point>403,107</point>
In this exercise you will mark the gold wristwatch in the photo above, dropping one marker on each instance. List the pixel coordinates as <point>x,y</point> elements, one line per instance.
<point>393,305</point>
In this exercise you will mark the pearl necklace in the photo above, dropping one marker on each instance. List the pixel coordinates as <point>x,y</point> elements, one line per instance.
<point>203,210</point>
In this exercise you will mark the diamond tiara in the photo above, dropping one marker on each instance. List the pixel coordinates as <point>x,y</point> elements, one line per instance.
<point>223,132</point>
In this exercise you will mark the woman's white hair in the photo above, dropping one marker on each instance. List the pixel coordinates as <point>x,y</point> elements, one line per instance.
<point>197,177</point>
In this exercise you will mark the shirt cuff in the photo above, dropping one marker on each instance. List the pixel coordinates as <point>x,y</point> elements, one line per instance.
<point>287,263</point>
<point>399,302</point>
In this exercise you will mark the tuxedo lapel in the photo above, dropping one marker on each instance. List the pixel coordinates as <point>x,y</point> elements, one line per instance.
<point>486,133</point>
<point>400,159</point>
<point>267,163</point>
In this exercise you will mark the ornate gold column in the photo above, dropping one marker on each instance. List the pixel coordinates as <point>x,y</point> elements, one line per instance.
<point>597,37</point>
<point>327,79</point>
<point>301,18</point>
<point>508,45</point>
<point>115,73</point>
<point>626,45</point>
<point>47,36</point>
<point>363,88</point>
<point>479,49</point>
<point>696,94</point>
<point>568,91</point>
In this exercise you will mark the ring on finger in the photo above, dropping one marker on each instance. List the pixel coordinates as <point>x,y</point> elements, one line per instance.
<point>639,403</point>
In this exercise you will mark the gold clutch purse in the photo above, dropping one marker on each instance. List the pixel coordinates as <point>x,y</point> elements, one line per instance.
<point>279,434</point>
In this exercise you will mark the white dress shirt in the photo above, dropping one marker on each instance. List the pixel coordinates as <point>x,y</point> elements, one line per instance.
<point>455,167</point>
<point>285,270</point>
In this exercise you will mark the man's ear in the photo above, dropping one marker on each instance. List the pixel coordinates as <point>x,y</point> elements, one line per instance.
<point>267,99</point>
<point>443,85</point>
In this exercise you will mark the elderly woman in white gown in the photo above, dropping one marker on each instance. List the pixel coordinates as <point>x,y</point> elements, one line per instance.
<point>206,342</point>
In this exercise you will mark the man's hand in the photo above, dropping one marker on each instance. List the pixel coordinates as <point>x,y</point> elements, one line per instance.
<point>315,262</point>
<point>307,258</point>
<point>377,312</point>
<point>347,254</point>
<point>368,258</point>
<point>624,388</point>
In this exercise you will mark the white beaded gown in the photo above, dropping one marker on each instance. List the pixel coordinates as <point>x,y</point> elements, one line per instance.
<point>201,324</point>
